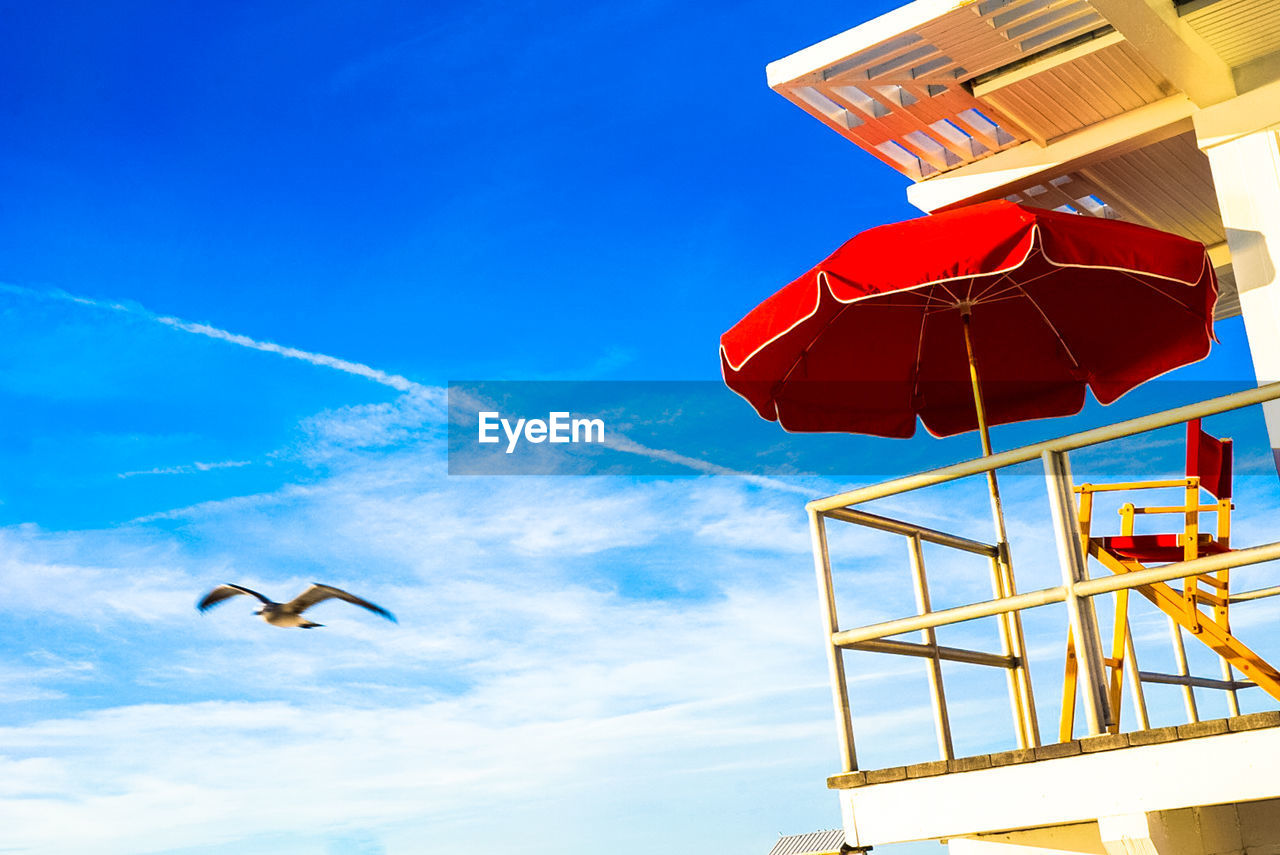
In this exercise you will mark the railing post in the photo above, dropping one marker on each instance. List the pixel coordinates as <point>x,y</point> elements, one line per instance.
<point>1180,659</point>
<point>835,656</point>
<point>941,721</point>
<point>1135,684</point>
<point>1080,611</point>
<point>1013,643</point>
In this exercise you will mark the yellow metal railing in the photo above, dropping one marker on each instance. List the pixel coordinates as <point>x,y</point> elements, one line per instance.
<point>1076,590</point>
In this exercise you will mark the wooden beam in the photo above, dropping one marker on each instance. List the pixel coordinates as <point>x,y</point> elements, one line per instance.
<point>995,81</point>
<point>1152,27</point>
<point>1251,112</point>
<point>1009,171</point>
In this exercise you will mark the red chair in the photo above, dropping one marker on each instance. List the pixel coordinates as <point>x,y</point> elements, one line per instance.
<point>1208,469</point>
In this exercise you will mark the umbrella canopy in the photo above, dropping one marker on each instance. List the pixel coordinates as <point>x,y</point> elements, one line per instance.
<point>879,333</point>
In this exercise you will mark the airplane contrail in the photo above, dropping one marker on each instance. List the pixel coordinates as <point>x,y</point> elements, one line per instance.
<point>395,381</point>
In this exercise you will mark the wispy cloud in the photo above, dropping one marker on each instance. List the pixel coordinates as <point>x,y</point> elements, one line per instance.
<point>235,503</point>
<point>187,469</point>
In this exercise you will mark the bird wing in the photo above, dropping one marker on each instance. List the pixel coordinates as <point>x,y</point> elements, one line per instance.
<point>226,592</point>
<point>318,593</point>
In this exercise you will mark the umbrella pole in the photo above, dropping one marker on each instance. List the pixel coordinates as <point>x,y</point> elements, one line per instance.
<point>1011,636</point>
<point>983,431</point>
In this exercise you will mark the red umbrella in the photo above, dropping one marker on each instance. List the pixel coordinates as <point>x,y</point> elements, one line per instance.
<point>903,320</point>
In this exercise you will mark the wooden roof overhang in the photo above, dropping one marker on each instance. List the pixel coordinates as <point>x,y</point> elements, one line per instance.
<point>1076,105</point>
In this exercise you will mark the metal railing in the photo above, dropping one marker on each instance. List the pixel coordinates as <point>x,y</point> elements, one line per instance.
<point>1076,591</point>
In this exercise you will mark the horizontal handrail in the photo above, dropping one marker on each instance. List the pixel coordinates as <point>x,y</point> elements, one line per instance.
<point>1197,682</point>
<point>1259,594</point>
<point>944,617</point>
<point>1047,596</point>
<point>907,529</point>
<point>1179,570</point>
<point>978,465</point>
<point>1076,592</point>
<point>929,651</point>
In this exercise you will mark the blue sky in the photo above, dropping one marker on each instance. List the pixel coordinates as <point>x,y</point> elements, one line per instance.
<point>242,251</point>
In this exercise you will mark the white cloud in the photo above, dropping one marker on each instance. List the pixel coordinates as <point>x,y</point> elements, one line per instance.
<point>561,686</point>
<point>531,657</point>
<point>570,651</point>
<point>38,674</point>
<point>47,574</point>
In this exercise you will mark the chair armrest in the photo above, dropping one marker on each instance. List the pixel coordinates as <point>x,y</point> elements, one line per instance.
<point>1175,509</point>
<point>1137,485</point>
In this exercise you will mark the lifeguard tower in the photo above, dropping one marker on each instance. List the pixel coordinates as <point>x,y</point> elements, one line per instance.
<point>1165,114</point>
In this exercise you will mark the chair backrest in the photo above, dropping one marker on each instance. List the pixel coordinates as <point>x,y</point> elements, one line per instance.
<point>1209,459</point>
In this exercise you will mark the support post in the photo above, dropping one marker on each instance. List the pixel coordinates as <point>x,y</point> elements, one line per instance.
<point>1080,612</point>
<point>1135,684</point>
<point>835,656</point>
<point>1242,140</point>
<point>1180,659</point>
<point>941,721</point>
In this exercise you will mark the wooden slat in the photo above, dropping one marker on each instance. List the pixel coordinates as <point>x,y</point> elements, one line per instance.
<point>1134,70</point>
<point>1141,181</point>
<point>1083,77</point>
<point>1027,109</point>
<point>1087,90</point>
<point>1238,30</point>
<point>947,51</point>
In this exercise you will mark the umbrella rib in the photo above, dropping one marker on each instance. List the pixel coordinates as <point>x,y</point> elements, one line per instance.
<point>1032,280</point>
<point>1168,297</point>
<point>987,296</point>
<point>994,284</point>
<point>1006,298</point>
<point>805,350</point>
<point>915,369</point>
<point>888,305</point>
<point>923,293</point>
<point>1075,362</point>
<point>954,298</point>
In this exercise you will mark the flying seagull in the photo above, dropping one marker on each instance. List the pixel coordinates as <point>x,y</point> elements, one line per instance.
<point>290,613</point>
